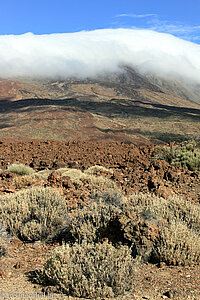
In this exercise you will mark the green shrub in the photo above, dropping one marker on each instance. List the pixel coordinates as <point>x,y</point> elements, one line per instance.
<point>90,270</point>
<point>34,213</point>
<point>186,155</point>
<point>20,169</point>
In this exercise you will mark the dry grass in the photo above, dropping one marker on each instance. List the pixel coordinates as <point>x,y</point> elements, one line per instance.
<point>90,270</point>
<point>20,169</point>
<point>33,213</point>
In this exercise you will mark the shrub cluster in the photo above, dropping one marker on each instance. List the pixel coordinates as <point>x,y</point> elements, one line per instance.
<point>89,223</point>
<point>186,155</point>
<point>87,266</point>
<point>179,242</point>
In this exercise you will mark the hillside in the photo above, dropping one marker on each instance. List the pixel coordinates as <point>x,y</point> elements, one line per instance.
<point>126,107</point>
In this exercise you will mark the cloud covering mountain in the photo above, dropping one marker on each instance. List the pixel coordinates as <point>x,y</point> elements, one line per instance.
<point>90,53</point>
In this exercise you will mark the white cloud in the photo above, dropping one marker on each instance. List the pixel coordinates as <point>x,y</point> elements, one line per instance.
<point>136,15</point>
<point>86,54</point>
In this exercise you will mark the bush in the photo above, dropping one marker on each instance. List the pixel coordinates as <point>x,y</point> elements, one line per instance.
<point>90,222</point>
<point>179,241</point>
<point>90,270</point>
<point>109,197</point>
<point>23,181</point>
<point>20,169</point>
<point>99,182</point>
<point>186,155</point>
<point>172,209</point>
<point>179,245</point>
<point>34,213</point>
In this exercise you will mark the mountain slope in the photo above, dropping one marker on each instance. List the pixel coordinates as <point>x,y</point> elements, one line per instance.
<point>125,106</point>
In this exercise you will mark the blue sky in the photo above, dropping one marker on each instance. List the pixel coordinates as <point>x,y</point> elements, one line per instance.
<point>178,17</point>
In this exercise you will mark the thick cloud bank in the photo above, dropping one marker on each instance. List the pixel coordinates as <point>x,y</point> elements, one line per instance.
<point>87,54</point>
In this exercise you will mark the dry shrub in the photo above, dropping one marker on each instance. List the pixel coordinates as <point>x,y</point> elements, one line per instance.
<point>34,213</point>
<point>99,182</point>
<point>74,174</point>
<point>23,181</point>
<point>90,270</point>
<point>179,245</point>
<point>97,169</point>
<point>173,208</point>
<point>20,169</point>
<point>179,241</point>
<point>102,183</point>
<point>43,174</point>
<point>90,222</point>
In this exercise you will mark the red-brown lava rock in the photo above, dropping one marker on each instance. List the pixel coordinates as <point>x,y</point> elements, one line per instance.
<point>133,168</point>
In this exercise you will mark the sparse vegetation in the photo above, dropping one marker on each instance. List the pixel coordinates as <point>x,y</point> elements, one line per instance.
<point>97,169</point>
<point>33,213</point>
<point>20,169</point>
<point>186,155</point>
<point>90,270</point>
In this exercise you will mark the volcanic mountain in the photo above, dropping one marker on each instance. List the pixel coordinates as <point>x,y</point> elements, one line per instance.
<point>124,106</point>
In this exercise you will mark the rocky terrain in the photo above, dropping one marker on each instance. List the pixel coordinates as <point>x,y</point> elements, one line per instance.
<point>133,170</point>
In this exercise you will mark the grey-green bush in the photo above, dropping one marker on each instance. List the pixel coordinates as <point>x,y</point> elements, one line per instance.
<point>33,214</point>
<point>90,270</point>
<point>89,222</point>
